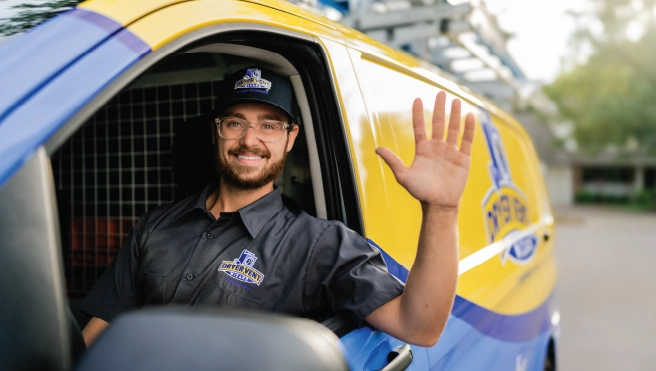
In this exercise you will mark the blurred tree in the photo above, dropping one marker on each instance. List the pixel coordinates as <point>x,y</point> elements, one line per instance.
<point>610,97</point>
<point>33,13</point>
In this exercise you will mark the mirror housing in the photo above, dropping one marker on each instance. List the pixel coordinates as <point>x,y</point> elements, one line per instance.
<point>203,339</point>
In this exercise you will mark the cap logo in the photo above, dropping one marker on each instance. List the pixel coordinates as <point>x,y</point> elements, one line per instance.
<point>253,82</point>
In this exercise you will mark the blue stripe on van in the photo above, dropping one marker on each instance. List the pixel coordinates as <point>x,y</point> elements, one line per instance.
<point>30,60</point>
<point>513,328</point>
<point>96,19</point>
<point>36,119</point>
<point>460,348</point>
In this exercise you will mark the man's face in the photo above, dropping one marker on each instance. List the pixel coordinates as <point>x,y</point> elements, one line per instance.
<point>248,163</point>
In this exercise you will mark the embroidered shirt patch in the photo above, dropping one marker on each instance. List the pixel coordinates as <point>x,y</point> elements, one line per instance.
<point>242,268</point>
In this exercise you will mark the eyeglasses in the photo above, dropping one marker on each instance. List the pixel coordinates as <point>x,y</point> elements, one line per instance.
<point>235,128</point>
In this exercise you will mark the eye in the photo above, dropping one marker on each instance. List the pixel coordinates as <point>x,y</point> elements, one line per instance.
<point>270,125</point>
<point>232,123</point>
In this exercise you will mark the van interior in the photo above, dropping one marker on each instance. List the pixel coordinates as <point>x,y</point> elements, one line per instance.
<point>150,145</point>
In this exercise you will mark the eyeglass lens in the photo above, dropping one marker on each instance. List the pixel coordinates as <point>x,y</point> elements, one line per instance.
<point>233,128</point>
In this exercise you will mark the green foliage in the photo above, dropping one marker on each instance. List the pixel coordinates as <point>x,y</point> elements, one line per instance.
<point>32,14</point>
<point>586,198</point>
<point>610,98</point>
<point>644,200</point>
<point>594,198</point>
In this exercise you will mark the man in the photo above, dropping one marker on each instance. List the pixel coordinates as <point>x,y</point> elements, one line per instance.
<point>236,245</point>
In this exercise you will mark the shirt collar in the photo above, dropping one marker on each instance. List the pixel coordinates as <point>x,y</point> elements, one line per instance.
<point>258,213</point>
<point>197,203</point>
<point>254,216</point>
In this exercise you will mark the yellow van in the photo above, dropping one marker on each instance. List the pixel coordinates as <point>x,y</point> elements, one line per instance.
<point>93,101</point>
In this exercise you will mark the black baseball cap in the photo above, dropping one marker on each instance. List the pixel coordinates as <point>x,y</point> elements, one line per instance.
<point>255,85</point>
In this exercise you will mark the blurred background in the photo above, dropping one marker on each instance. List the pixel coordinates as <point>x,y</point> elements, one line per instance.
<point>580,76</point>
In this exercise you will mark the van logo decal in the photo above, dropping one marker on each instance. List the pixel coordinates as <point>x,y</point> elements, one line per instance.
<point>253,82</point>
<point>242,268</point>
<point>505,206</point>
<point>498,167</point>
<point>522,251</point>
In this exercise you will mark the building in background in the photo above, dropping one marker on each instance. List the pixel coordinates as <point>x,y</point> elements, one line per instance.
<point>572,176</point>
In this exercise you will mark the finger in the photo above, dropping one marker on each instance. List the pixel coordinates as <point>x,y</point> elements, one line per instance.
<point>454,123</point>
<point>418,120</point>
<point>438,115</point>
<point>468,136</point>
<point>393,161</point>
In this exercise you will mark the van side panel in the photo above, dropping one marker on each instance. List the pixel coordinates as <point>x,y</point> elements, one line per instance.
<point>502,315</point>
<point>389,95</point>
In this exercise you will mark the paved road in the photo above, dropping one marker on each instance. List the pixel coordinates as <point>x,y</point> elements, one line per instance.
<point>607,289</point>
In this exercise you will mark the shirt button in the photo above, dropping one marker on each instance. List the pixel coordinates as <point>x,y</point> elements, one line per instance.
<point>189,276</point>
<point>209,236</point>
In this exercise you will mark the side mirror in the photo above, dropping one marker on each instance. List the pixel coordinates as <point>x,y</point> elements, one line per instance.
<point>201,339</point>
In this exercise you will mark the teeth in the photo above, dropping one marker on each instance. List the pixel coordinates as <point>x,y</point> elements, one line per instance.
<point>249,157</point>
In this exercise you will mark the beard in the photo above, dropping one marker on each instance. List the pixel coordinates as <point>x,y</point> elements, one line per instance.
<point>234,175</point>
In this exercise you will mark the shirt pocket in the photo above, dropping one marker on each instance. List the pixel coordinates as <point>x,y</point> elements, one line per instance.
<point>154,288</point>
<point>216,296</point>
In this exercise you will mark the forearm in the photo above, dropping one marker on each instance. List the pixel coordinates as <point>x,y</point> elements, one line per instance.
<point>437,178</point>
<point>93,329</point>
<point>430,289</point>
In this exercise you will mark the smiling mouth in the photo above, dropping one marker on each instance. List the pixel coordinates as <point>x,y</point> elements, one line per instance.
<point>251,158</point>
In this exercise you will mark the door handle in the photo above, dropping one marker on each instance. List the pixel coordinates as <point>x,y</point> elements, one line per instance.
<point>399,359</point>
<point>545,236</point>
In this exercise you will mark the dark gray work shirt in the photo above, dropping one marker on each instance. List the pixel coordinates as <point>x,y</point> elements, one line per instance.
<point>262,257</point>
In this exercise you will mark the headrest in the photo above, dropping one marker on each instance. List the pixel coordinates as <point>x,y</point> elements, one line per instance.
<point>192,154</point>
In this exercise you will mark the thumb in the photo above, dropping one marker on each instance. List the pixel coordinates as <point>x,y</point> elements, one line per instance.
<point>393,161</point>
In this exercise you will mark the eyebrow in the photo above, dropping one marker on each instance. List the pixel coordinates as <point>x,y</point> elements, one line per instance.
<point>264,116</point>
<point>267,116</point>
<point>232,114</point>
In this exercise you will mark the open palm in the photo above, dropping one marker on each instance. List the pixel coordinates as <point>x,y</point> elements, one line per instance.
<point>439,171</point>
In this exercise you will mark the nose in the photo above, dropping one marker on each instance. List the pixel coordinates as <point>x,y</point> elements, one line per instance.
<point>250,139</point>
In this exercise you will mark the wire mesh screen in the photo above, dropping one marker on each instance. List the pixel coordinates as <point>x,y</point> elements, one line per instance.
<point>114,169</point>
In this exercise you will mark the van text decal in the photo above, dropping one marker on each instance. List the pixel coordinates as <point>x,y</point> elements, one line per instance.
<point>505,210</point>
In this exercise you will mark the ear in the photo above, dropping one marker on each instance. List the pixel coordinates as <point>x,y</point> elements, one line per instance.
<point>293,132</point>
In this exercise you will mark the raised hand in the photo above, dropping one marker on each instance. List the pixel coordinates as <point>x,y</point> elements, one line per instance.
<point>439,171</point>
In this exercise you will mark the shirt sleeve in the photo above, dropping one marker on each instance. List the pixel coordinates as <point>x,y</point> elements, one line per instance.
<point>351,275</point>
<point>116,290</point>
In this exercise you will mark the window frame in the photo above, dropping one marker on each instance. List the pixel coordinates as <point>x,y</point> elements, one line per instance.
<point>312,63</point>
